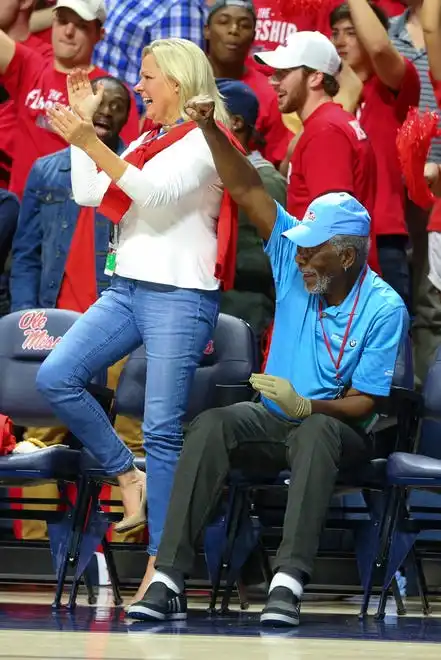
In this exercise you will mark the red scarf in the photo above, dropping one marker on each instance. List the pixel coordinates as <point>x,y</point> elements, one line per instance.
<point>116,203</point>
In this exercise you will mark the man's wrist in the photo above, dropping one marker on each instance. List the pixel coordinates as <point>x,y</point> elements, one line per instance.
<point>211,128</point>
<point>90,144</point>
<point>304,407</point>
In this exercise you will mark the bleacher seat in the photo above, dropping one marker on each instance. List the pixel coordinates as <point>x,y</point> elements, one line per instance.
<point>26,338</point>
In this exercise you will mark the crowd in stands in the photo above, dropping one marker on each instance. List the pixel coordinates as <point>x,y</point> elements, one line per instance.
<point>342,137</point>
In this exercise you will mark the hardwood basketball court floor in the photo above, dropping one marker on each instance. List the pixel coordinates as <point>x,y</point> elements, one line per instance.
<point>31,630</point>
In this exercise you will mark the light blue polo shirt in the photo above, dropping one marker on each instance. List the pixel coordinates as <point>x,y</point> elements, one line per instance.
<point>298,351</point>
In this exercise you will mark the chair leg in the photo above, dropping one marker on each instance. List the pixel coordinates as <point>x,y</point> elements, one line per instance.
<point>232,514</point>
<point>235,518</point>
<point>401,609</point>
<point>91,597</point>
<point>226,598</point>
<point>366,597</point>
<point>113,574</point>
<point>421,581</point>
<point>242,592</point>
<point>386,536</point>
<point>215,590</point>
<point>85,497</point>
<point>79,514</point>
<point>381,611</point>
<point>61,580</point>
<point>388,526</point>
<point>73,595</point>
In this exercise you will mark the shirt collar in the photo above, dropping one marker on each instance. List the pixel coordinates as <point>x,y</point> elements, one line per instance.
<point>321,108</point>
<point>345,307</point>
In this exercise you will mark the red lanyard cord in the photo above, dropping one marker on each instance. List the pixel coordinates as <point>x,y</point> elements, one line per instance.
<point>337,362</point>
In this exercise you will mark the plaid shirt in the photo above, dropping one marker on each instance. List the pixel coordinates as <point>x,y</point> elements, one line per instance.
<point>133,24</point>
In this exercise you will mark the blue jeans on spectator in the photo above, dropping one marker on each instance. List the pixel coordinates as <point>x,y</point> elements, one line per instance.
<point>175,326</point>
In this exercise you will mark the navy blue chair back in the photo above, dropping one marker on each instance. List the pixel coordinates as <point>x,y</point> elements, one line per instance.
<point>429,443</point>
<point>229,359</point>
<point>26,339</point>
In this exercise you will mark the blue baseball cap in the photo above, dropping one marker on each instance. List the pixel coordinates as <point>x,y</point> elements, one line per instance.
<point>239,99</point>
<point>328,216</point>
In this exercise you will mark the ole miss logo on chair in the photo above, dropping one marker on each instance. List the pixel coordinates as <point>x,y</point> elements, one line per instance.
<point>37,338</point>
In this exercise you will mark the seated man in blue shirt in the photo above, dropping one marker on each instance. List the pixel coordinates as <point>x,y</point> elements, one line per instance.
<point>337,332</point>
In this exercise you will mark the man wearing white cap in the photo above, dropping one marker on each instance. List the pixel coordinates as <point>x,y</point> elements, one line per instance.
<point>36,83</point>
<point>337,330</point>
<point>333,152</point>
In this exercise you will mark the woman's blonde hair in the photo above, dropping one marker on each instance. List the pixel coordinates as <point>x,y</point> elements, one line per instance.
<point>185,63</point>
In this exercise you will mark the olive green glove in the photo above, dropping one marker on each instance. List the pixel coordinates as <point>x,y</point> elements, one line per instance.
<point>282,392</point>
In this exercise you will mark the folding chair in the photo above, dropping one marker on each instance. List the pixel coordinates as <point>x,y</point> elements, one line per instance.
<point>26,338</point>
<point>227,551</point>
<point>410,475</point>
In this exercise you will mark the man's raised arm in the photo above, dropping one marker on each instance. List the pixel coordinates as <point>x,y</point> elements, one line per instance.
<point>7,51</point>
<point>388,63</point>
<point>235,171</point>
<point>431,22</point>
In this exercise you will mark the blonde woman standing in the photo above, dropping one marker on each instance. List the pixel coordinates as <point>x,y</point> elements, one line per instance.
<point>175,246</point>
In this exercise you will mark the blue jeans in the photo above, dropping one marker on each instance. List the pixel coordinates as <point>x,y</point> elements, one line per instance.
<point>175,326</point>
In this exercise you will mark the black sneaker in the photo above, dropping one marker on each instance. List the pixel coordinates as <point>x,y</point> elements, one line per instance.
<point>281,609</point>
<point>159,603</point>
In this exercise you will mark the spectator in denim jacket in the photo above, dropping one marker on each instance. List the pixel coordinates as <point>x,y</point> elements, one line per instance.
<point>51,228</point>
<point>9,208</point>
<point>48,216</point>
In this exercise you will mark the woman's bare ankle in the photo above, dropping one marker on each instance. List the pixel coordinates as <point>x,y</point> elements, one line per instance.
<point>149,572</point>
<point>130,477</point>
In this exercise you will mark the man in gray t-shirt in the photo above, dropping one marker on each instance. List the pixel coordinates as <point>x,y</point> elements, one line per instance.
<point>407,36</point>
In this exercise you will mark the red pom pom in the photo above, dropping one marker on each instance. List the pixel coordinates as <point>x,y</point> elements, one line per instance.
<point>413,143</point>
<point>290,9</point>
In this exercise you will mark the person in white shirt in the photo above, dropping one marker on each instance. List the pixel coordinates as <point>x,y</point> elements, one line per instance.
<point>165,196</point>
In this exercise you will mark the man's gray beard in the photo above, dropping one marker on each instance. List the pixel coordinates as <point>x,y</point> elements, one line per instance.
<point>322,284</point>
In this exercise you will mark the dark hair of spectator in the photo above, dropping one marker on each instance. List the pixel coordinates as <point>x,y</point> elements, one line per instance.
<point>115,81</point>
<point>343,13</point>
<point>330,84</point>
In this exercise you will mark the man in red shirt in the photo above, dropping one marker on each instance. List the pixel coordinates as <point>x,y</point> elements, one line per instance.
<point>391,86</point>
<point>230,32</point>
<point>35,83</point>
<point>333,153</point>
<point>14,20</point>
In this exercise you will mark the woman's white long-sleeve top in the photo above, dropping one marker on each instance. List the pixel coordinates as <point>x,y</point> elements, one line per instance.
<point>168,235</point>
